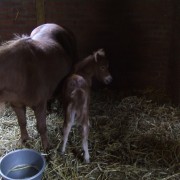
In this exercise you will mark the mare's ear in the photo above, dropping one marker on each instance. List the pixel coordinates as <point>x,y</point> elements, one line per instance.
<point>98,53</point>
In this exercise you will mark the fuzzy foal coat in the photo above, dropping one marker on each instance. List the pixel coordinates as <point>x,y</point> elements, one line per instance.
<point>76,94</point>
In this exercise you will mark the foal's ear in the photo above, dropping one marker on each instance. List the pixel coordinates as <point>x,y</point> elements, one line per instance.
<point>99,52</point>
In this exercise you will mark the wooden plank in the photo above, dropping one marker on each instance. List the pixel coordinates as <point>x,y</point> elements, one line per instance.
<point>40,12</point>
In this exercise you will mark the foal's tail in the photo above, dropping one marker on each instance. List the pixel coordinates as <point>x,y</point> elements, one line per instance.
<point>79,96</point>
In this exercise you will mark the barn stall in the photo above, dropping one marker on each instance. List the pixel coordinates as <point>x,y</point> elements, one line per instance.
<point>134,130</point>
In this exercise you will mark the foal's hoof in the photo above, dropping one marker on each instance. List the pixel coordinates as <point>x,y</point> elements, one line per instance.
<point>87,161</point>
<point>62,153</point>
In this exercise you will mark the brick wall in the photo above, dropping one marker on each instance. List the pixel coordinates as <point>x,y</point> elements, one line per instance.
<point>140,36</point>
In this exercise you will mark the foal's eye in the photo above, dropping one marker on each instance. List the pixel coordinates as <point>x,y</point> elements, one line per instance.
<point>102,68</point>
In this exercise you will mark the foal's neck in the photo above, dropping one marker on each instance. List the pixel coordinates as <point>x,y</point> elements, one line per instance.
<point>86,69</point>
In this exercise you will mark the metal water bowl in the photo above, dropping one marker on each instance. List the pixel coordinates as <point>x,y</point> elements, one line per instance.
<point>22,164</point>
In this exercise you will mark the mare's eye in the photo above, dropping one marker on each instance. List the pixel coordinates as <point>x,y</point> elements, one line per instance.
<point>102,68</point>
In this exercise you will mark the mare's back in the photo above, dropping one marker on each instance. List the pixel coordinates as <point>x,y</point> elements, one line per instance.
<point>62,36</point>
<point>29,73</point>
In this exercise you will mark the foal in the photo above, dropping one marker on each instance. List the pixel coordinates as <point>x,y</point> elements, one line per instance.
<point>76,93</point>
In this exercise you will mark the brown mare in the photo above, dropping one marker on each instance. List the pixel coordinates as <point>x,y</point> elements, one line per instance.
<point>31,68</point>
<point>76,93</point>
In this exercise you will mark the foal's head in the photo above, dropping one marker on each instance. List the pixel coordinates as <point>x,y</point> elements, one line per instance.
<point>101,68</point>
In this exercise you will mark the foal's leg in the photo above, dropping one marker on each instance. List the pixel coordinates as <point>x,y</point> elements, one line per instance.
<point>68,122</point>
<point>85,133</point>
<point>40,114</point>
<point>21,116</point>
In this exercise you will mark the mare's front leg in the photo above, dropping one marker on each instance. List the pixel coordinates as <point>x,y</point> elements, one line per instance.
<point>40,114</point>
<point>21,116</point>
<point>68,122</point>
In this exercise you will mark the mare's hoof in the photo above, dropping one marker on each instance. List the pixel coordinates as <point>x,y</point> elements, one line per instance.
<point>25,139</point>
<point>25,142</point>
<point>47,147</point>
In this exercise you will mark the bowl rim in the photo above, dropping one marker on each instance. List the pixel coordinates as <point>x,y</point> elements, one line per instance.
<point>28,150</point>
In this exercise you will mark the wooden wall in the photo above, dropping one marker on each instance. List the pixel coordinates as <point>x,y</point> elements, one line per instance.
<point>141,37</point>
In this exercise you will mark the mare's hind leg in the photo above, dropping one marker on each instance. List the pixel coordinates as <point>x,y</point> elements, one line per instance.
<point>85,133</point>
<point>68,122</point>
<point>40,114</point>
<point>21,116</point>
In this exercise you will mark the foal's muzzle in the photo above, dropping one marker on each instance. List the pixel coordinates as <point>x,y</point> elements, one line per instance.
<point>108,79</point>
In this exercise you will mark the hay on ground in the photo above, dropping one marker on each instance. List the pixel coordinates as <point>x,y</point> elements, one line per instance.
<point>130,138</point>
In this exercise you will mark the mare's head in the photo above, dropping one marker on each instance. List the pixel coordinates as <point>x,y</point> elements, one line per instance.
<point>102,67</point>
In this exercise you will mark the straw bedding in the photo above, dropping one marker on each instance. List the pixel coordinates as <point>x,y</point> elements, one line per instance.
<point>130,138</point>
